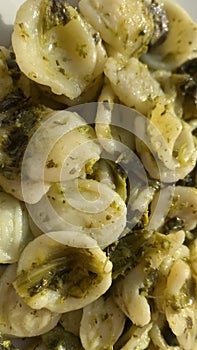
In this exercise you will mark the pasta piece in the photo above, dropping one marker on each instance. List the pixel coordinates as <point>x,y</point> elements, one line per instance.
<point>159,341</point>
<point>181,152</point>
<point>101,325</point>
<point>14,228</point>
<point>111,123</point>
<point>62,271</point>
<point>62,148</point>
<point>130,300</point>
<point>88,206</point>
<point>132,83</point>
<point>180,212</point>
<point>187,340</point>
<point>98,274</point>
<point>182,253</point>
<point>170,151</point>
<point>103,119</point>
<point>159,207</point>
<point>185,151</point>
<point>70,321</point>
<point>16,317</point>
<point>127,26</point>
<point>184,206</point>
<point>135,338</point>
<point>139,201</point>
<point>88,95</point>
<point>180,304</point>
<point>54,46</point>
<point>180,44</point>
<point>164,129</point>
<point>34,190</point>
<point>133,301</point>
<point>193,258</point>
<point>193,124</point>
<point>111,174</point>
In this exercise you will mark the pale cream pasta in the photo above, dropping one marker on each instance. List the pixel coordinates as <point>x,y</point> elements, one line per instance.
<point>98,177</point>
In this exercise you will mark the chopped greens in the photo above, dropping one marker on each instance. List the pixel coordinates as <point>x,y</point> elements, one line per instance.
<point>111,208</point>
<point>19,119</point>
<point>71,275</point>
<point>59,339</point>
<point>126,253</point>
<point>56,13</point>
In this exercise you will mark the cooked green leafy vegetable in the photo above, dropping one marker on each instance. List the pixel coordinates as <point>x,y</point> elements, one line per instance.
<point>19,118</point>
<point>126,252</point>
<point>59,339</point>
<point>67,274</point>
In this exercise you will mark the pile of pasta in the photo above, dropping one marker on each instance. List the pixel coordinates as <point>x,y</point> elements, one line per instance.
<point>98,200</point>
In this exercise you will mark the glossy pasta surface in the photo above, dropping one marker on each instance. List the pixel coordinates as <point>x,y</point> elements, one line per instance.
<point>98,177</point>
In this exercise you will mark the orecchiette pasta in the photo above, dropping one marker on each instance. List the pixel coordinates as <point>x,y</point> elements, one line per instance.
<point>108,122</point>
<point>159,340</point>
<point>127,26</point>
<point>98,177</point>
<point>84,205</point>
<point>102,323</point>
<point>142,88</point>
<point>136,337</point>
<point>69,58</point>
<point>133,300</point>
<point>14,228</point>
<point>179,279</point>
<point>171,153</point>
<point>13,309</point>
<point>193,252</point>
<point>65,145</point>
<point>62,271</point>
<point>130,300</point>
<point>184,206</point>
<point>180,44</point>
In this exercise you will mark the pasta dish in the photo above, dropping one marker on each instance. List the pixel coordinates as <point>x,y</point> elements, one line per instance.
<point>98,177</point>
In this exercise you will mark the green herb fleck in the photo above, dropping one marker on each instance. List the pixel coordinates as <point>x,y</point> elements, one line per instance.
<point>82,50</point>
<point>56,13</point>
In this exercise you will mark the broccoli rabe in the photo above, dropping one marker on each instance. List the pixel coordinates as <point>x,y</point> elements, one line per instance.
<point>125,254</point>
<point>59,339</point>
<point>19,119</point>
